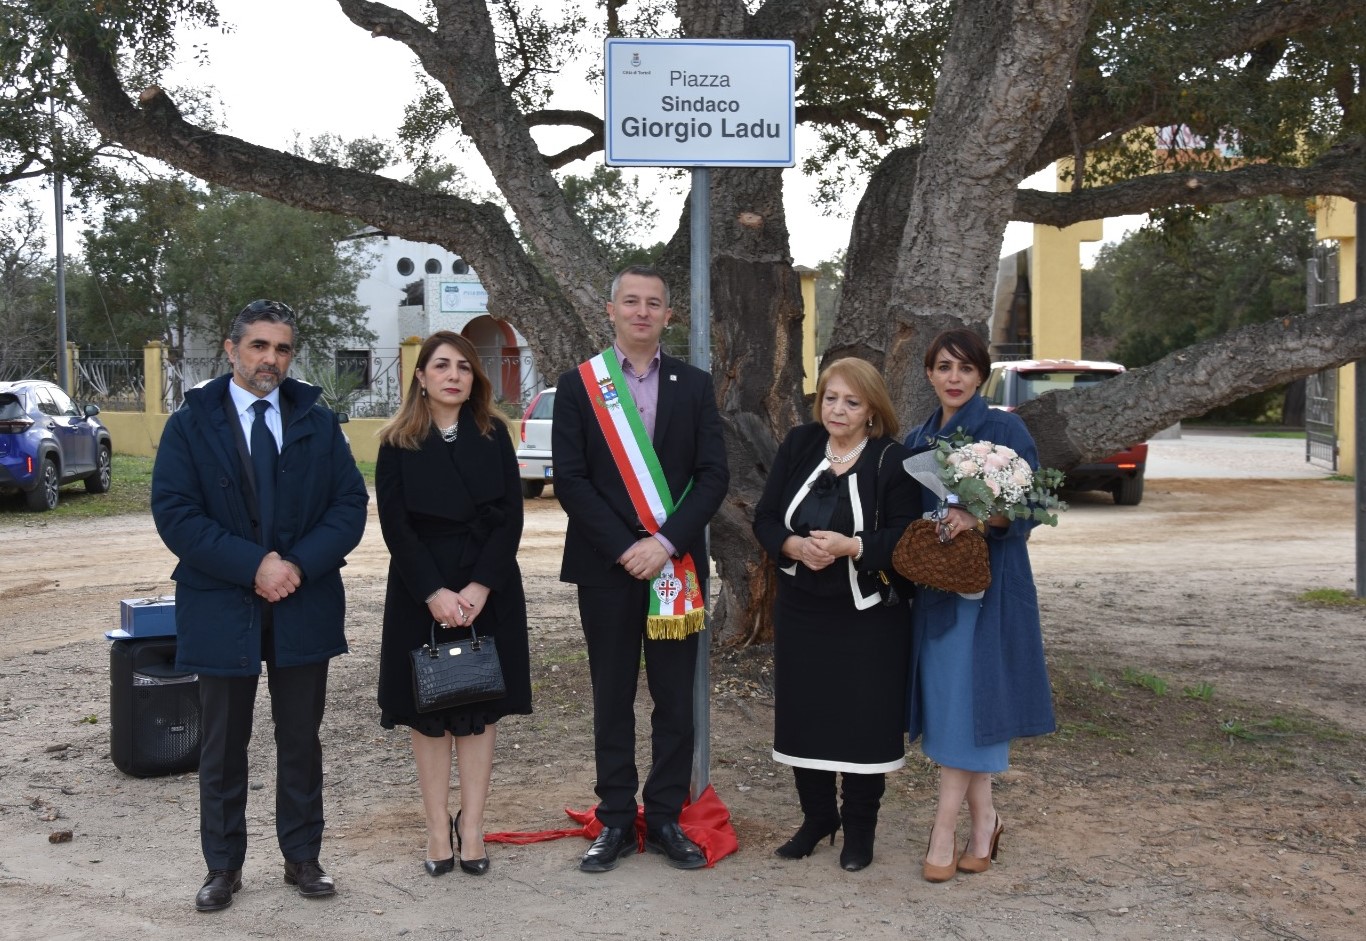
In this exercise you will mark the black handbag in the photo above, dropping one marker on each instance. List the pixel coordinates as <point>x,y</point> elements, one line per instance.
<point>453,674</point>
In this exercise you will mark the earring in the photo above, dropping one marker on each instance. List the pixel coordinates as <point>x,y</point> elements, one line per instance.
<point>424,392</point>
<point>870,423</point>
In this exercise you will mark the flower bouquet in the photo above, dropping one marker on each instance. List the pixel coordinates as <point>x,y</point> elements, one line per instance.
<point>988,479</point>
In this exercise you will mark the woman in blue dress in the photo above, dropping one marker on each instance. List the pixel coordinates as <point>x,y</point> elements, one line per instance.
<point>977,677</point>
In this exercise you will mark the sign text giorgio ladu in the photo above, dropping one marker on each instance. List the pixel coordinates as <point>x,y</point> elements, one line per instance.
<point>699,102</point>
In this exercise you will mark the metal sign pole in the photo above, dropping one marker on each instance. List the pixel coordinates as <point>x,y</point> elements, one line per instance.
<point>699,349</point>
<point>1360,392</point>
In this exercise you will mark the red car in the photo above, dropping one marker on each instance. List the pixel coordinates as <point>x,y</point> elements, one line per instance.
<point>1015,382</point>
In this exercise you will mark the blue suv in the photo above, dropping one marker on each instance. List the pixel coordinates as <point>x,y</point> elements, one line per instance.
<point>45,442</point>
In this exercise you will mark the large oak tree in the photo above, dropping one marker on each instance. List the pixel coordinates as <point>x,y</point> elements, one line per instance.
<point>949,106</point>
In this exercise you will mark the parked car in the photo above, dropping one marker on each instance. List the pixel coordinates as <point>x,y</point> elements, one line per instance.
<point>533,454</point>
<point>46,441</point>
<point>1014,383</point>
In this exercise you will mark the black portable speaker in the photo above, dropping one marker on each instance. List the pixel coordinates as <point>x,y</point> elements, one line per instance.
<point>155,720</point>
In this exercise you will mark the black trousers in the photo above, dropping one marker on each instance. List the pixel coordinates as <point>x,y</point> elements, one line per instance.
<point>614,626</point>
<point>297,698</point>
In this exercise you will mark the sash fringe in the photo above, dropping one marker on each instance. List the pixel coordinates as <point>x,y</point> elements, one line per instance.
<point>675,626</point>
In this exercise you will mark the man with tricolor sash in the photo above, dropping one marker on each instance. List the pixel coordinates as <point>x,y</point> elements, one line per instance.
<point>640,468</point>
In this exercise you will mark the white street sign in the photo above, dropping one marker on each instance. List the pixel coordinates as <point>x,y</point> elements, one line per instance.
<point>700,103</point>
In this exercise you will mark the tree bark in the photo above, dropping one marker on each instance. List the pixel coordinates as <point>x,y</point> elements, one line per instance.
<point>1085,426</point>
<point>1003,81</point>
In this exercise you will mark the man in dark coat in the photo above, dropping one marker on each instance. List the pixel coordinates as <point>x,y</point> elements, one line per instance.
<point>618,558</point>
<point>256,492</point>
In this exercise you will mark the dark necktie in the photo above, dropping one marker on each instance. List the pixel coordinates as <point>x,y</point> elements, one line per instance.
<point>264,459</point>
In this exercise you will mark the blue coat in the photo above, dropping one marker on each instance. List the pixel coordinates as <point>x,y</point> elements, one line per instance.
<point>201,505</point>
<point>1011,696</point>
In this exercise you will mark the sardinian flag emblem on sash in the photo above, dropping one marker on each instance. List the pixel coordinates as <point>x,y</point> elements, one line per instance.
<point>676,608</point>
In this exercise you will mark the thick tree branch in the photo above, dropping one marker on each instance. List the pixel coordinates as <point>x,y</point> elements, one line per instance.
<point>1078,426</point>
<point>556,117</point>
<point>460,54</point>
<point>478,231</point>
<point>845,115</point>
<point>580,151</point>
<point>1340,172</point>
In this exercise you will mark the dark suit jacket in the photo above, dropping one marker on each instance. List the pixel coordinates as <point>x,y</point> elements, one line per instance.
<point>602,521</point>
<point>202,503</point>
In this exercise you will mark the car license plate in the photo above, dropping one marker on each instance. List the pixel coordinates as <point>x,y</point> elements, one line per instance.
<point>550,472</point>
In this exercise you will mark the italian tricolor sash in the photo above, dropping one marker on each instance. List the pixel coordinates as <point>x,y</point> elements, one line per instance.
<point>676,599</point>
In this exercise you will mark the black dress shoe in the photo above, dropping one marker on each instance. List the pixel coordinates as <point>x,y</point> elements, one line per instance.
<point>216,893</point>
<point>612,843</point>
<point>439,867</point>
<point>309,877</point>
<point>473,867</point>
<point>682,852</point>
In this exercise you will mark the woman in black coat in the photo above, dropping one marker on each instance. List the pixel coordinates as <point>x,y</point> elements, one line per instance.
<point>450,507</point>
<point>835,504</point>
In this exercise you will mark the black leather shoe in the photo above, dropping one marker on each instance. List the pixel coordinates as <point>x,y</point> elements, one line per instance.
<point>682,852</point>
<point>216,893</point>
<point>473,867</point>
<point>309,877</point>
<point>612,844</point>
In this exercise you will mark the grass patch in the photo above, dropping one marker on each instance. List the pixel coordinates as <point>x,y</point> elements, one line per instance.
<point>1109,719</point>
<point>1332,597</point>
<point>131,492</point>
<point>1343,478</point>
<point>1297,435</point>
<point>1148,681</point>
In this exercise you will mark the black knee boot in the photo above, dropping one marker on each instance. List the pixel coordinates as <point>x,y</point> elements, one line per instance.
<point>862,798</point>
<point>820,816</point>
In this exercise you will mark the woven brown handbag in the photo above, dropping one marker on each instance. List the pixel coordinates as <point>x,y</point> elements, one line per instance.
<point>960,565</point>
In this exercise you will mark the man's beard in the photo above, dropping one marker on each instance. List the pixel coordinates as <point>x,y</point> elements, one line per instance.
<point>263,380</point>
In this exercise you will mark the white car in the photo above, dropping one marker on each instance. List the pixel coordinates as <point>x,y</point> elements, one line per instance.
<point>533,454</point>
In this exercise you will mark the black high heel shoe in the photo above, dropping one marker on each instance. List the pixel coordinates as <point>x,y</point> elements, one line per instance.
<point>475,867</point>
<point>439,867</point>
<point>807,836</point>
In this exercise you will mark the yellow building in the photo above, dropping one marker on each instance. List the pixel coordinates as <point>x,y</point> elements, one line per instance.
<point>1336,221</point>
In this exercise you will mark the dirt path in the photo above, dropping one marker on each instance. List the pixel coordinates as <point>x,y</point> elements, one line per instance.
<point>1145,817</point>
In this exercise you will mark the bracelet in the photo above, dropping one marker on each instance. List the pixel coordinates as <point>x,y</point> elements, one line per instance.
<point>428,599</point>
<point>858,555</point>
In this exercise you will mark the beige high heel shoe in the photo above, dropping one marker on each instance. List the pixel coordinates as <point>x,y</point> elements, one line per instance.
<point>933,873</point>
<point>976,864</point>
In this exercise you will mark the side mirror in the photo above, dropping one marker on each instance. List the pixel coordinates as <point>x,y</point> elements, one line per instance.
<point>342,417</point>
<point>91,411</point>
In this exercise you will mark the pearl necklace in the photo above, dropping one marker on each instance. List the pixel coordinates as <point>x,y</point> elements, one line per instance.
<point>449,434</point>
<point>836,459</point>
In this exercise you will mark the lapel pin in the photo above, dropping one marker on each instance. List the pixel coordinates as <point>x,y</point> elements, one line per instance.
<point>673,377</point>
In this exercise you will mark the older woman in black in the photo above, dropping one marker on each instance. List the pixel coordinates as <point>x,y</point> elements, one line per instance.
<point>835,504</point>
<point>450,506</point>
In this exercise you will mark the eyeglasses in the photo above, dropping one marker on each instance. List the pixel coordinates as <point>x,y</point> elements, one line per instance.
<point>280,310</point>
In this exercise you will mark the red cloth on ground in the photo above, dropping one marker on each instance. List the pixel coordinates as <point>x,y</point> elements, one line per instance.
<point>706,822</point>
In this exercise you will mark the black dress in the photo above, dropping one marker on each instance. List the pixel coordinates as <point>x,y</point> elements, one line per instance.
<point>451,514</point>
<point>840,652</point>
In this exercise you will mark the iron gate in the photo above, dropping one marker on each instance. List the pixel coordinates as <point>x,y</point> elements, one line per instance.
<point>1321,389</point>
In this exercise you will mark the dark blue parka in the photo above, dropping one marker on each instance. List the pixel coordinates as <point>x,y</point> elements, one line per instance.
<point>201,506</point>
<point>1011,696</point>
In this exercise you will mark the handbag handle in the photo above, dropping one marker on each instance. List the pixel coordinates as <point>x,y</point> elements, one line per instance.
<point>432,651</point>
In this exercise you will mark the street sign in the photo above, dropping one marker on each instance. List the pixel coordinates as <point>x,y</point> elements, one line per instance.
<point>700,103</point>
